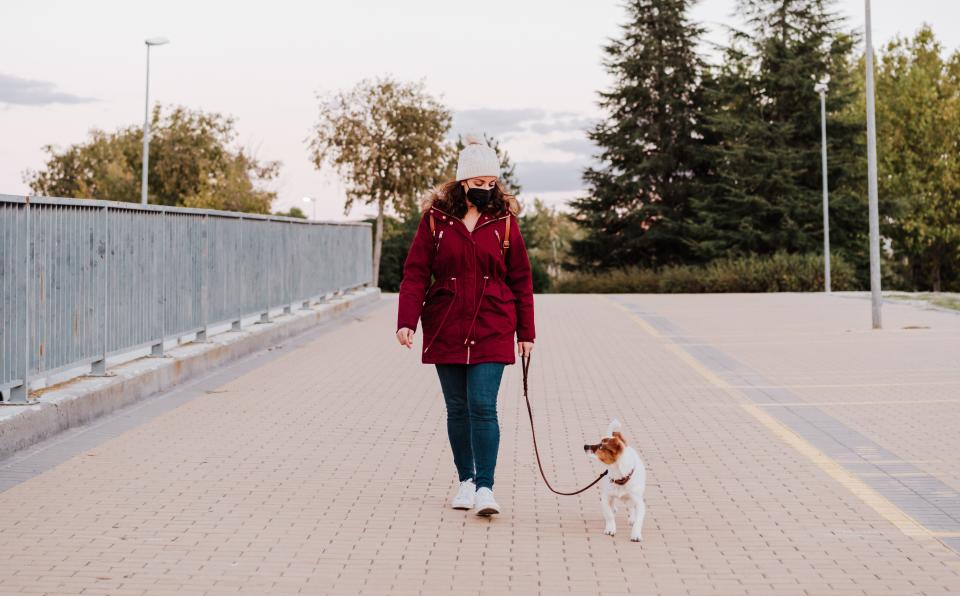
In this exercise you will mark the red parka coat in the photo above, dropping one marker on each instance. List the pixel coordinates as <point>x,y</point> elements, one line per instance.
<point>475,303</point>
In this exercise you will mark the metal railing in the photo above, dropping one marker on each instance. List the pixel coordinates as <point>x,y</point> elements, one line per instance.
<point>84,280</point>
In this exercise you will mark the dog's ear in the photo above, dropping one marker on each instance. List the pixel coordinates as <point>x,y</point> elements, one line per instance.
<point>617,434</point>
<point>613,427</point>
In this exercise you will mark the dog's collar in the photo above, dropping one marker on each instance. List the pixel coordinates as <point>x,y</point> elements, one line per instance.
<point>624,480</point>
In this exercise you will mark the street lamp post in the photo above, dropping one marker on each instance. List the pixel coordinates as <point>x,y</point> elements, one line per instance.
<point>873,209</point>
<point>821,88</point>
<point>153,41</point>
<point>314,201</point>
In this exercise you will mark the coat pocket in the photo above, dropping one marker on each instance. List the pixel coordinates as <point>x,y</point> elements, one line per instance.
<point>437,304</point>
<point>439,287</point>
<point>498,313</point>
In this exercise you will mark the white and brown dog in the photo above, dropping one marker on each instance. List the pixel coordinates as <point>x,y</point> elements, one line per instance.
<point>626,479</point>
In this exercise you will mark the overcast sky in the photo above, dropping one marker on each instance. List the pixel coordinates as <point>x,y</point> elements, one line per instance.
<point>526,71</point>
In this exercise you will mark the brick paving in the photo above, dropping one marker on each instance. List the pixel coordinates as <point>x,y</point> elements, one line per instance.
<point>327,470</point>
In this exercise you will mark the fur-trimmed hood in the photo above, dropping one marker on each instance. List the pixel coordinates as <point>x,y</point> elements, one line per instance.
<point>428,198</point>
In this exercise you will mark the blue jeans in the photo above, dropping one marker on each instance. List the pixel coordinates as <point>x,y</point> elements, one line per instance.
<point>470,391</point>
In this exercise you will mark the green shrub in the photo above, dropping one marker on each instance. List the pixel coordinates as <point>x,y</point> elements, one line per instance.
<point>781,272</point>
<point>682,280</point>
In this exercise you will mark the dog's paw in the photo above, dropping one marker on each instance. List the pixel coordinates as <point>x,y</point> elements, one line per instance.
<point>636,537</point>
<point>610,530</point>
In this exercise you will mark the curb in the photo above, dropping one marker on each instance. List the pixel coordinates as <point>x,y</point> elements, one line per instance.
<point>80,400</point>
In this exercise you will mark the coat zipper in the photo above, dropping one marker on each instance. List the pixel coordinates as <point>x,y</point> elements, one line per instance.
<point>483,291</point>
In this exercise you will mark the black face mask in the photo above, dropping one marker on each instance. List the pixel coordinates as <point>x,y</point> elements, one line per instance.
<point>480,197</point>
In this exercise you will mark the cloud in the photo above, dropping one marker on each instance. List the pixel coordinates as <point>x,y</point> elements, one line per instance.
<point>563,122</point>
<point>505,121</point>
<point>549,176</point>
<point>26,92</point>
<point>493,121</point>
<point>576,145</point>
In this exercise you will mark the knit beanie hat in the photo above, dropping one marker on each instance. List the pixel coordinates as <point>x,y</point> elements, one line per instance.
<point>477,159</point>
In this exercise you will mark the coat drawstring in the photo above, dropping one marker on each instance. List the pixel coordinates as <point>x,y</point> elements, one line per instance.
<point>440,326</point>
<point>483,290</point>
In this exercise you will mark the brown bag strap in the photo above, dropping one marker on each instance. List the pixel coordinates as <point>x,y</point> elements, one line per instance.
<point>506,237</point>
<point>433,231</point>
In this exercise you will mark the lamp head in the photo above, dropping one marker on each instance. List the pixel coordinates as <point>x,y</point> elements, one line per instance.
<point>821,86</point>
<point>156,41</point>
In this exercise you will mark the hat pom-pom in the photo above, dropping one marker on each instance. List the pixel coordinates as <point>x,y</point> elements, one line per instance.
<point>472,139</point>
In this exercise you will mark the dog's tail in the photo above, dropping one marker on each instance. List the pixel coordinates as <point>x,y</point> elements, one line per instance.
<point>614,426</point>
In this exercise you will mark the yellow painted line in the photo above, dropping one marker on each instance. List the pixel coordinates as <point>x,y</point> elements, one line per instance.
<point>872,498</point>
<point>801,404</point>
<point>897,474</point>
<point>861,403</point>
<point>645,325</point>
<point>855,385</point>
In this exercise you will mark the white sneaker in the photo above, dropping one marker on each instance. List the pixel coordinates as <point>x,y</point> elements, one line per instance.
<point>466,495</point>
<point>485,503</point>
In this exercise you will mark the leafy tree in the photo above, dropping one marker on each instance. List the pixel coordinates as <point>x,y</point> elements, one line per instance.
<point>397,235</point>
<point>386,140</point>
<point>547,234</point>
<point>918,138</point>
<point>192,163</point>
<point>651,147</point>
<point>764,122</point>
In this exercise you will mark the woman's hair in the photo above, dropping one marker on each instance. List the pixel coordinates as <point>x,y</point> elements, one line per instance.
<point>451,197</point>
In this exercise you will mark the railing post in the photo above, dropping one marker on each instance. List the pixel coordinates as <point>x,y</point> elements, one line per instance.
<point>21,393</point>
<point>156,350</point>
<point>265,315</point>
<point>99,367</point>
<point>238,323</point>
<point>204,281</point>
<point>285,260</point>
<point>302,246</point>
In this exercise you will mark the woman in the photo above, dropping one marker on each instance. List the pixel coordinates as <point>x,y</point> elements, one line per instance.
<point>481,294</point>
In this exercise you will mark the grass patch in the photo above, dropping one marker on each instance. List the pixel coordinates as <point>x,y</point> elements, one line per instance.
<point>943,300</point>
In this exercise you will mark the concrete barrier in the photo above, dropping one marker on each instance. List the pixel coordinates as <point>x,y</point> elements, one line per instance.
<point>83,399</point>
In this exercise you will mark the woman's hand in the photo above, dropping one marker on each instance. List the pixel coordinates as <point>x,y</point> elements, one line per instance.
<point>405,337</point>
<point>524,348</point>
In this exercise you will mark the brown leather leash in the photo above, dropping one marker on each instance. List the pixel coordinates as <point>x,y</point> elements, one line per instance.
<point>526,366</point>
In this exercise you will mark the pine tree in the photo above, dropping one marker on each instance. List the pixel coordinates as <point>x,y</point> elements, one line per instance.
<point>766,196</point>
<point>651,149</point>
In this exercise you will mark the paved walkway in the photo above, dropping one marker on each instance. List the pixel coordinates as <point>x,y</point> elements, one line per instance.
<point>790,450</point>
